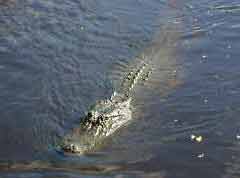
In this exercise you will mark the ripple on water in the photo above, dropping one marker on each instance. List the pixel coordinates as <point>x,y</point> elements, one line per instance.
<point>228,8</point>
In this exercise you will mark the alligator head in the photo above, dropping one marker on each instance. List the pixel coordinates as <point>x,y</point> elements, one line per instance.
<point>102,120</point>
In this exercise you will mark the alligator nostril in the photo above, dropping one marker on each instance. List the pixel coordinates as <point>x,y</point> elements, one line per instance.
<point>70,148</point>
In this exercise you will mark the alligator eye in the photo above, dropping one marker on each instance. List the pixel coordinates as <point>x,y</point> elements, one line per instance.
<point>89,115</point>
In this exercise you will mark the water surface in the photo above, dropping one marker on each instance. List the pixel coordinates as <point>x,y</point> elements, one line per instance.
<point>59,57</point>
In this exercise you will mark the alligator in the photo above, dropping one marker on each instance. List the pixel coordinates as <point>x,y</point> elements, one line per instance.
<point>106,116</point>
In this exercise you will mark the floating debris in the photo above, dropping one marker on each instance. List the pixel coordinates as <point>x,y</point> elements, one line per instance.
<point>238,137</point>
<point>193,137</point>
<point>198,139</point>
<point>201,155</point>
<point>203,58</point>
<point>82,28</point>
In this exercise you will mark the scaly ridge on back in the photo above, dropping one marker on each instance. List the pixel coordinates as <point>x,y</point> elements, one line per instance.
<point>134,76</point>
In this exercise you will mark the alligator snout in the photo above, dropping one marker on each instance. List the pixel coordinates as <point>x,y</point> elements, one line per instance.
<point>71,148</point>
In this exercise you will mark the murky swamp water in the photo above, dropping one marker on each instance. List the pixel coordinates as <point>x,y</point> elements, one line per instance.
<point>59,57</point>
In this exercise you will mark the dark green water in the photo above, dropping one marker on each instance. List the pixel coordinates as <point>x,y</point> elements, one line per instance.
<point>57,58</point>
